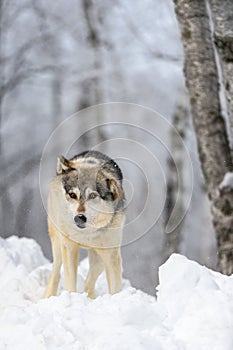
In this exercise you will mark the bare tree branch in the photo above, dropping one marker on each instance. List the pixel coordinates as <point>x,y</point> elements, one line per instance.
<point>23,75</point>
<point>28,166</point>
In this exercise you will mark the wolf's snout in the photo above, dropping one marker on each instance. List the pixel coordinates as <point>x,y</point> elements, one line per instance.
<point>80,220</point>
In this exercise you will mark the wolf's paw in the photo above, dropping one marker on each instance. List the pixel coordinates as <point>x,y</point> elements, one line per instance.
<point>91,295</point>
<point>90,292</point>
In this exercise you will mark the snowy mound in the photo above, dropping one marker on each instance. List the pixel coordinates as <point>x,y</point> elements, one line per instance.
<point>227,181</point>
<point>194,309</point>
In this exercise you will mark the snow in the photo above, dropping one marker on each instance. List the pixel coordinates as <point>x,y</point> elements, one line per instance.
<point>193,310</point>
<point>227,181</point>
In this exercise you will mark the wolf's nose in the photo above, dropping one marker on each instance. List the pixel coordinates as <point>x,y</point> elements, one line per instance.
<point>80,220</point>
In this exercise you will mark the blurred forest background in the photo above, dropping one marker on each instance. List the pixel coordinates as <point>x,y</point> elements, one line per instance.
<point>58,57</point>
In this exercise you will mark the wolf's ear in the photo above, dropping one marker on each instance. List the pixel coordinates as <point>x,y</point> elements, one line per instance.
<point>108,188</point>
<point>63,165</point>
<point>114,188</point>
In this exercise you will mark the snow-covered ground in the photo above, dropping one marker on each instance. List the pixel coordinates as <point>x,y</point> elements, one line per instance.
<point>227,181</point>
<point>194,308</point>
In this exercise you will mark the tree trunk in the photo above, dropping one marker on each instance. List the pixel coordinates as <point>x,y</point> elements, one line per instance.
<point>92,88</point>
<point>222,14</point>
<point>1,115</point>
<point>214,151</point>
<point>2,76</point>
<point>172,239</point>
<point>56,100</point>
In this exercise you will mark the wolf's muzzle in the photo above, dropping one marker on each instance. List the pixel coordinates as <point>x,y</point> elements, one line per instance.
<point>80,220</point>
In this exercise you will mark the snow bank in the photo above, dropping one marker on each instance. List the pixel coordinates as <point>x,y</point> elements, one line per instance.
<point>194,308</point>
<point>227,181</point>
<point>199,304</point>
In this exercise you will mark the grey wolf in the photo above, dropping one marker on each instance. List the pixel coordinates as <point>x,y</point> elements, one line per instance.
<point>86,209</point>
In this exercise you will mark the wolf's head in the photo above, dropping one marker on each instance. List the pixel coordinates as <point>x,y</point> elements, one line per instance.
<point>92,190</point>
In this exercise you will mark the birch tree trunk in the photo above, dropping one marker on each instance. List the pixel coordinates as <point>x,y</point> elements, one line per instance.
<point>214,151</point>
<point>222,14</point>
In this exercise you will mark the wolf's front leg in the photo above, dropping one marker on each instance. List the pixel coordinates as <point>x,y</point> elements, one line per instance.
<point>95,268</point>
<point>54,278</point>
<point>113,266</point>
<point>70,263</point>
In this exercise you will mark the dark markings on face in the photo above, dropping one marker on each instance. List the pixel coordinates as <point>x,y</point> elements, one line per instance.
<point>80,179</point>
<point>96,178</point>
<point>70,181</point>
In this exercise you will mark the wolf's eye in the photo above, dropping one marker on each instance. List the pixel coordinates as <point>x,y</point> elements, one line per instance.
<point>92,195</point>
<point>72,195</point>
